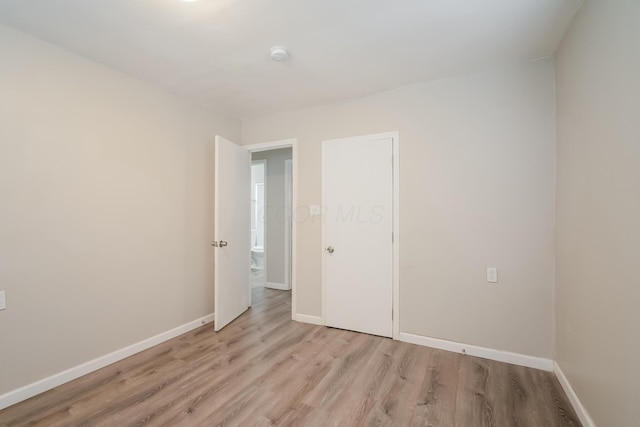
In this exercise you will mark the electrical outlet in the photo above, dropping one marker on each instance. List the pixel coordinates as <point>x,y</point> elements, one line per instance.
<point>492,275</point>
<point>3,300</point>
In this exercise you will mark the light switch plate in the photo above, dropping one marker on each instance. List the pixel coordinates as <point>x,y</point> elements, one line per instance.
<point>492,275</point>
<point>315,210</point>
<point>3,300</point>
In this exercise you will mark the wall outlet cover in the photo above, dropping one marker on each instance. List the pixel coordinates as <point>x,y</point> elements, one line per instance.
<point>315,210</point>
<point>492,275</point>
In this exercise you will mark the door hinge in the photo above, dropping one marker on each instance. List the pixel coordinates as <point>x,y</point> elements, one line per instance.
<point>392,238</point>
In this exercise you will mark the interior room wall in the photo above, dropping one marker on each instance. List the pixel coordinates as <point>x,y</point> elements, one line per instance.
<point>106,218</point>
<point>598,206</point>
<point>275,230</point>
<point>477,158</point>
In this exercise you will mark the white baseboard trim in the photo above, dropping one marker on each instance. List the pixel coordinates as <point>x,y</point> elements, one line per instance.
<point>486,353</point>
<point>305,318</point>
<point>279,286</point>
<point>30,390</point>
<point>585,419</point>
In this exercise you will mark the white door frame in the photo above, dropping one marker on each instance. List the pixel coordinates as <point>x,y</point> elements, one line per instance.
<point>274,145</point>
<point>395,136</point>
<point>288,197</point>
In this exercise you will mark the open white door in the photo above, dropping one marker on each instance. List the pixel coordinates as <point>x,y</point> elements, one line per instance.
<point>232,230</point>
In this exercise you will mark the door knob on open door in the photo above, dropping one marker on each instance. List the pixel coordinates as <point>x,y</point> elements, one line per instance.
<point>214,244</point>
<point>223,243</point>
<point>330,249</point>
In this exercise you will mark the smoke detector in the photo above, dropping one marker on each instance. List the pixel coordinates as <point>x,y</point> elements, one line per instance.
<point>279,53</point>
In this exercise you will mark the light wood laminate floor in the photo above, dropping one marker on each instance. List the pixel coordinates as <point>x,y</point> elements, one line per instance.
<point>264,369</point>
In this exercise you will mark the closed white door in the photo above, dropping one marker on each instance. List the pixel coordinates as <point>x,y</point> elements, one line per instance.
<point>232,278</point>
<point>358,227</point>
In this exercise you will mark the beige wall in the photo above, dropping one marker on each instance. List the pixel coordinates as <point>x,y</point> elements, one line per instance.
<point>275,227</point>
<point>477,157</point>
<point>598,209</point>
<point>106,209</point>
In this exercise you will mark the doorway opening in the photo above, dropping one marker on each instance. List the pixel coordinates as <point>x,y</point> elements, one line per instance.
<point>258,223</point>
<point>272,212</point>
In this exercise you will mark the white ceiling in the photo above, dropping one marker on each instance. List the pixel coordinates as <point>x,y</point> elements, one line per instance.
<point>217,51</point>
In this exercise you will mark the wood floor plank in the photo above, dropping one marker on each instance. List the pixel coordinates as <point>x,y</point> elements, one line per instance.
<point>398,403</point>
<point>264,369</point>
